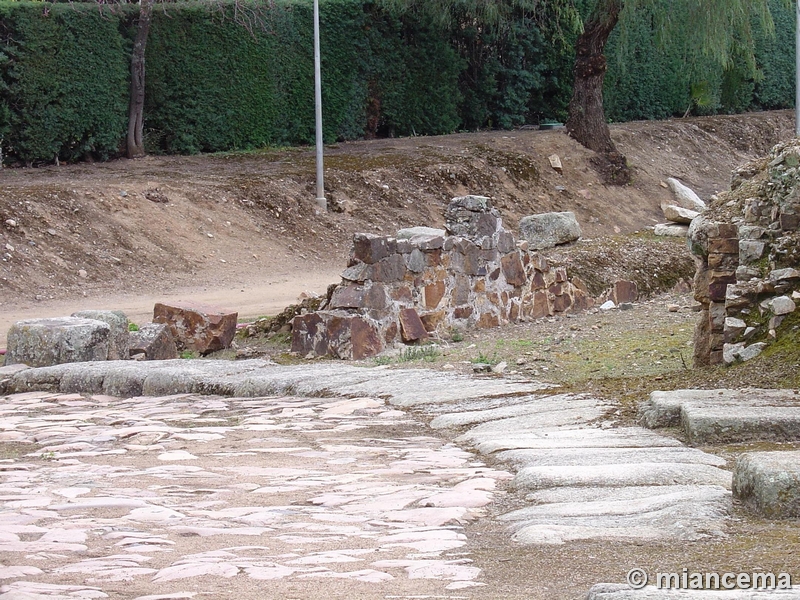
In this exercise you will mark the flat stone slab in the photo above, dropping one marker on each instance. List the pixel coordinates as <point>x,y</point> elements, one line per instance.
<point>652,512</point>
<point>606,456</point>
<point>530,422</point>
<point>619,475</point>
<point>740,423</point>
<point>663,408</point>
<point>555,438</point>
<point>616,591</point>
<point>769,483</point>
<point>533,405</point>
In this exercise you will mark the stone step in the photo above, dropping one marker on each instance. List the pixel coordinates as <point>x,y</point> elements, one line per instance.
<point>769,483</point>
<point>531,405</point>
<point>740,423</point>
<point>620,475</point>
<point>652,512</point>
<point>616,591</point>
<point>531,422</point>
<point>663,408</point>
<point>606,456</point>
<point>554,438</point>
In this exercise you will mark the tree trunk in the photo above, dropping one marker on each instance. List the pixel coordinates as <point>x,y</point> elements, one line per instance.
<point>135,140</point>
<point>587,122</point>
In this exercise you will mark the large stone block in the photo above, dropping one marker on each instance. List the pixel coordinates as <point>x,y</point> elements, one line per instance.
<point>549,229</point>
<point>197,327</point>
<point>411,327</point>
<point>118,340</point>
<point>678,214</point>
<point>685,196</point>
<point>47,342</point>
<point>153,341</point>
<point>370,248</point>
<point>769,483</point>
<point>513,269</point>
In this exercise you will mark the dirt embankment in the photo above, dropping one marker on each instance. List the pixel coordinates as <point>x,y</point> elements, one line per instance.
<point>240,229</point>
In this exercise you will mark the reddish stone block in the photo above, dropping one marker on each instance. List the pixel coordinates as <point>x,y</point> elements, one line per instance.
<point>402,294</point>
<point>488,321</point>
<point>562,303</point>
<point>431,321</point>
<point>364,339</point>
<point>390,269</point>
<point>480,286</point>
<point>411,327</point>
<point>537,281</point>
<point>370,248</point>
<point>540,263</point>
<point>556,289</point>
<point>434,294</point>
<point>624,291</point>
<point>727,230</point>
<point>724,245</point>
<point>717,292</point>
<point>309,335</point>
<point>348,296</point>
<point>513,269</point>
<point>197,327</point>
<point>513,312</point>
<point>561,274</point>
<point>789,222</point>
<point>391,333</point>
<point>540,305</point>
<point>462,312</point>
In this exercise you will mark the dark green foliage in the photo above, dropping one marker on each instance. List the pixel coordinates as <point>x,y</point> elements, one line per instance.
<point>63,81</point>
<point>213,84</point>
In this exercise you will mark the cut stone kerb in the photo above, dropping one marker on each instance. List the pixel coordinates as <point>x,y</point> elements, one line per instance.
<point>47,342</point>
<point>769,483</point>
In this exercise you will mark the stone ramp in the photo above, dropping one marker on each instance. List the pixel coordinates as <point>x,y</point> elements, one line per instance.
<point>726,416</point>
<point>586,480</point>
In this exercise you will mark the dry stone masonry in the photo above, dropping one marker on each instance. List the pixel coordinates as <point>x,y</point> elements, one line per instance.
<point>747,251</point>
<point>425,282</point>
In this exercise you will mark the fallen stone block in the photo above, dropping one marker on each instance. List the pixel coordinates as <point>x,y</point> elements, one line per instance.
<point>197,327</point>
<point>624,291</point>
<point>153,341</point>
<point>769,483</point>
<point>671,230</point>
<point>678,214</point>
<point>46,342</point>
<point>118,335</point>
<point>685,196</point>
<point>547,230</point>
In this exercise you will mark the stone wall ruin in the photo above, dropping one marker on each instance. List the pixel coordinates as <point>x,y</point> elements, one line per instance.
<point>427,282</point>
<point>747,254</point>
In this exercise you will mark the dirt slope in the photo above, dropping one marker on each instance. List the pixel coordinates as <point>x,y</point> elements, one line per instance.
<point>124,234</point>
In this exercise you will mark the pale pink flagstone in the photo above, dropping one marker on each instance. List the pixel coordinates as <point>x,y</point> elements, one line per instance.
<point>175,596</point>
<point>13,572</point>
<point>275,571</point>
<point>157,514</point>
<point>199,569</point>
<point>367,575</point>
<point>176,455</point>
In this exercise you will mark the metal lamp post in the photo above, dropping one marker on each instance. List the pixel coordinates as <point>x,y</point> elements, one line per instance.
<point>322,203</point>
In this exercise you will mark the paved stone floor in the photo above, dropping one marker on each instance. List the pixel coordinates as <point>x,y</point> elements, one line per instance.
<point>349,483</point>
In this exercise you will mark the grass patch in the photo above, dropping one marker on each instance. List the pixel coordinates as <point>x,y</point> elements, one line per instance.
<point>426,353</point>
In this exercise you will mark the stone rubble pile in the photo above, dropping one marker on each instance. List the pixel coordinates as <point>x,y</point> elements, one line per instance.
<point>748,255</point>
<point>426,282</point>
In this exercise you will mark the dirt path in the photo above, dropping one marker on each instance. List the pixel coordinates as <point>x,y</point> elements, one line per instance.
<point>251,299</point>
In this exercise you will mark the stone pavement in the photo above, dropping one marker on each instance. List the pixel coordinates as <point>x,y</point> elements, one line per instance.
<point>310,478</point>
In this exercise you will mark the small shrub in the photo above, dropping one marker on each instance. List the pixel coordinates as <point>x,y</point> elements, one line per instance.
<point>427,353</point>
<point>133,327</point>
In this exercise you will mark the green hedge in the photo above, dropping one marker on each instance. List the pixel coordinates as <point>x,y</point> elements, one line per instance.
<point>63,81</point>
<point>212,84</point>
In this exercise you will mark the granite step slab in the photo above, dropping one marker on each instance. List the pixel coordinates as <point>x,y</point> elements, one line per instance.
<point>740,423</point>
<point>769,483</point>
<point>606,456</point>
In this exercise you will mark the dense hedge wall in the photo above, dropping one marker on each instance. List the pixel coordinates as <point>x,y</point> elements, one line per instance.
<point>212,84</point>
<point>63,81</point>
